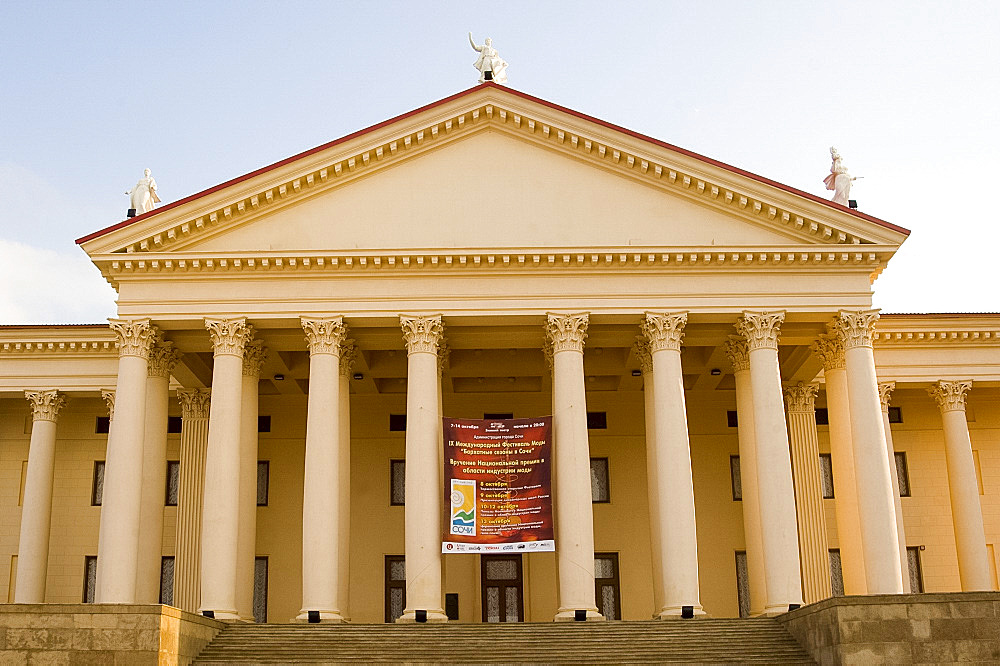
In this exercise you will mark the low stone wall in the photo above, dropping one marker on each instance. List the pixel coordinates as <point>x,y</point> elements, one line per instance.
<point>101,634</point>
<point>900,628</point>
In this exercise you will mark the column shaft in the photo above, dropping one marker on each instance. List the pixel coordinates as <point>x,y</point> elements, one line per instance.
<point>652,467</point>
<point>190,498</point>
<point>253,357</point>
<point>885,390</point>
<point>347,356</point>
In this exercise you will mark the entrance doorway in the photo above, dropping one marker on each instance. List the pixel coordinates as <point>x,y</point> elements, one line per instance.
<point>503,588</point>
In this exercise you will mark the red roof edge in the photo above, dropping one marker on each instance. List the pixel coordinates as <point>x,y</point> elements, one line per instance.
<point>517,93</point>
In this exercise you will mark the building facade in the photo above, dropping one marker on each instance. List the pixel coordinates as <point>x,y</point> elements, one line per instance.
<point>736,431</point>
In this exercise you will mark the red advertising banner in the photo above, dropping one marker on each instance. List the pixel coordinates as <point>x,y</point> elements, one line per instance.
<point>497,485</point>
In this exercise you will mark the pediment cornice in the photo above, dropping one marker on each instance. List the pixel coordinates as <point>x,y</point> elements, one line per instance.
<point>937,330</point>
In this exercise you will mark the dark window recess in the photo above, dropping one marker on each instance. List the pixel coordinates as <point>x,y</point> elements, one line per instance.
<point>731,420</point>
<point>89,578</point>
<point>397,422</point>
<point>608,584</point>
<point>167,581</point>
<point>822,416</point>
<point>902,474</point>
<point>597,420</point>
<point>734,474</point>
<point>263,424</point>
<point>836,573</point>
<point>260,589</point>
<point>397,482</point>
<point>174,424</point>
<point>451,606</point>
<point>173,482</point>
<point>915,570</point>
<point>600,481</point>
<point>263,481</point>
<point>895,415</point>
<point>500,416</point>
<point>826,474</point>
<point>395,587</point>
<point>97,488</point>
<point>742,583</point>
<point>502,583</point>
<point>103,425</point>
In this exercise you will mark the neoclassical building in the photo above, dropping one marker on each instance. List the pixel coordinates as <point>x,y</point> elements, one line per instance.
<point>257,435</point>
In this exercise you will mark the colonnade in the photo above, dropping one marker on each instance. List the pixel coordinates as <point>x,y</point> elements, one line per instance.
<point>217,495</point>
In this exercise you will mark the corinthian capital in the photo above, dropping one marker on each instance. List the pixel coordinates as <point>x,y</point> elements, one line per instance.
<point>855,329</point>
<point>739,355</point>
<point>643,353</point>
<point>195,403</point>
<point>566,332</point>
<point>348,357</point>
<point>950,395</point>
<point>664,330</point>
<point>45,405</point>
<point>760,329</point>
<point>109,398</point>
<point>421,334</point>
<point>254,355</point>
<point>229,336</point>
<point>885,390</point>
<point>444,356</point>
<point>830,350</point>
<point>801,397</point>
<point>135,336</point>
<point>162,359</point>
<point>324,335</point>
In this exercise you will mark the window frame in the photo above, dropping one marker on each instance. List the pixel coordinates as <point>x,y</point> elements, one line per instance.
<point>94,499</point>
<point>905,479</point>
<point>392,478</point>
<point>736,468</point>
<point>826,460</point>
<point>389,584</point>
<point>266,464</point>
<point>172,464</point>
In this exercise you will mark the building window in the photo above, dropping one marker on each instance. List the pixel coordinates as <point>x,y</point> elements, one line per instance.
<point>734,475</point>
<point>173,481</point>
<point>397,482</point>
<point>732,420</point>
<point>597,420</point>
<point>263,424</point>
<point>103,425</point>
<point>260,589</point>
<point>742,583</point>
<point>836,573</point>
<point>397,422</point>
<point>902,474</point>
<point>395,587</point>
<point>895,415</point>
<point>167,581</point>
<point>89,578</point>
<point>607,581</point>
<point>451,606</point>
<point>916,572</point>
<point>600,482</point>
<point>97,488</point>
<point>822,416</point>
<point>498,416</point>
<point>174,425</point>
<point>263,481</point>
<point>826,474</point>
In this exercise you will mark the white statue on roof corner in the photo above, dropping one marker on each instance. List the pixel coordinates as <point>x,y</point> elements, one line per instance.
<point>839,179</point>
<point>143,195</point>
<point>490,65</point>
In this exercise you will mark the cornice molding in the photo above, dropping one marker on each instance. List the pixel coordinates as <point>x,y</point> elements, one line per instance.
<point>102,347</point>
<point>941,336</point>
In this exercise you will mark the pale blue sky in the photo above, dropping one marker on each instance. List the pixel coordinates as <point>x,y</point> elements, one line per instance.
<point>91,93</point>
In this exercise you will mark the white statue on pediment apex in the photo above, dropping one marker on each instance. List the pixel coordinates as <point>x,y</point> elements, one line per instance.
<point>490,65</point>
<point>839,179</point>
<point>143,195</point>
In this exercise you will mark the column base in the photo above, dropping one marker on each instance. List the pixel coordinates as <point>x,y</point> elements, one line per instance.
<point>434,616</point>
<point>677,613</point>
<point>774,611</point>
<point>569,615</point>
<point>325,617</point>
<point>223,615</point>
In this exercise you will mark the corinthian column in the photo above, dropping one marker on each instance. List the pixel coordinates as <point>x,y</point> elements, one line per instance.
<point>190,498</point>
<point>876,508</point>
<point>652,469</point>
<point>673,486</point>
<point>970,538</point>
<point>348,356</point>
<point>779,535</point>
<point>813,550</point>
<point>422,535</point>
<point>221,512</point>
<point>36,511</point>
<point>253,358</point>
<point>885,390</point>
<point>118,543</point>
<point>321,486</point>
<point>162,359</point>
<point>573,502</point>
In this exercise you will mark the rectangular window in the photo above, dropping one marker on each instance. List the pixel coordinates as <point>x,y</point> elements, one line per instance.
<point>608,583</point>
<point>395,587</point>
<point>263,481</point>
<point>826,474</point>
<point>174,425</point>
<point>103,425</point>
<point>397,422</point>
<point>895,415</point>
<point>173,481</point>
<point>913,565</point>
<point>500,416</point>
<point>836,573</point>
<point>732,420</point>
<point>902,474</point>
<point>397,482</point>
<point>600,481</point>
<point>97,489</point>
<point>822,416</point>
<point>737,480</point>
<point>597,420</point>
<point>89,578</point>
<point>451,604</point>
<point>263,424</point>
<point>260,589</point>
<point>167,581</point>
<point>742,583</point>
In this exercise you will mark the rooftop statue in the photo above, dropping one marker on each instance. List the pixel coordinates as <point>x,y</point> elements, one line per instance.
<point>143,195</point>
<point>490,65</point>
<point>839,180</point>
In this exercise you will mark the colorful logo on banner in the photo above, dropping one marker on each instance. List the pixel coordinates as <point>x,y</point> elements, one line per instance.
<point>463,507</point>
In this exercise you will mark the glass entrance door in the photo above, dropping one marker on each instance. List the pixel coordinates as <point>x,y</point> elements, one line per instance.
<point>503,588</point>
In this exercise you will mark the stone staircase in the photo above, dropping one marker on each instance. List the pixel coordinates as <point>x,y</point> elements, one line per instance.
<point>760,640</point>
